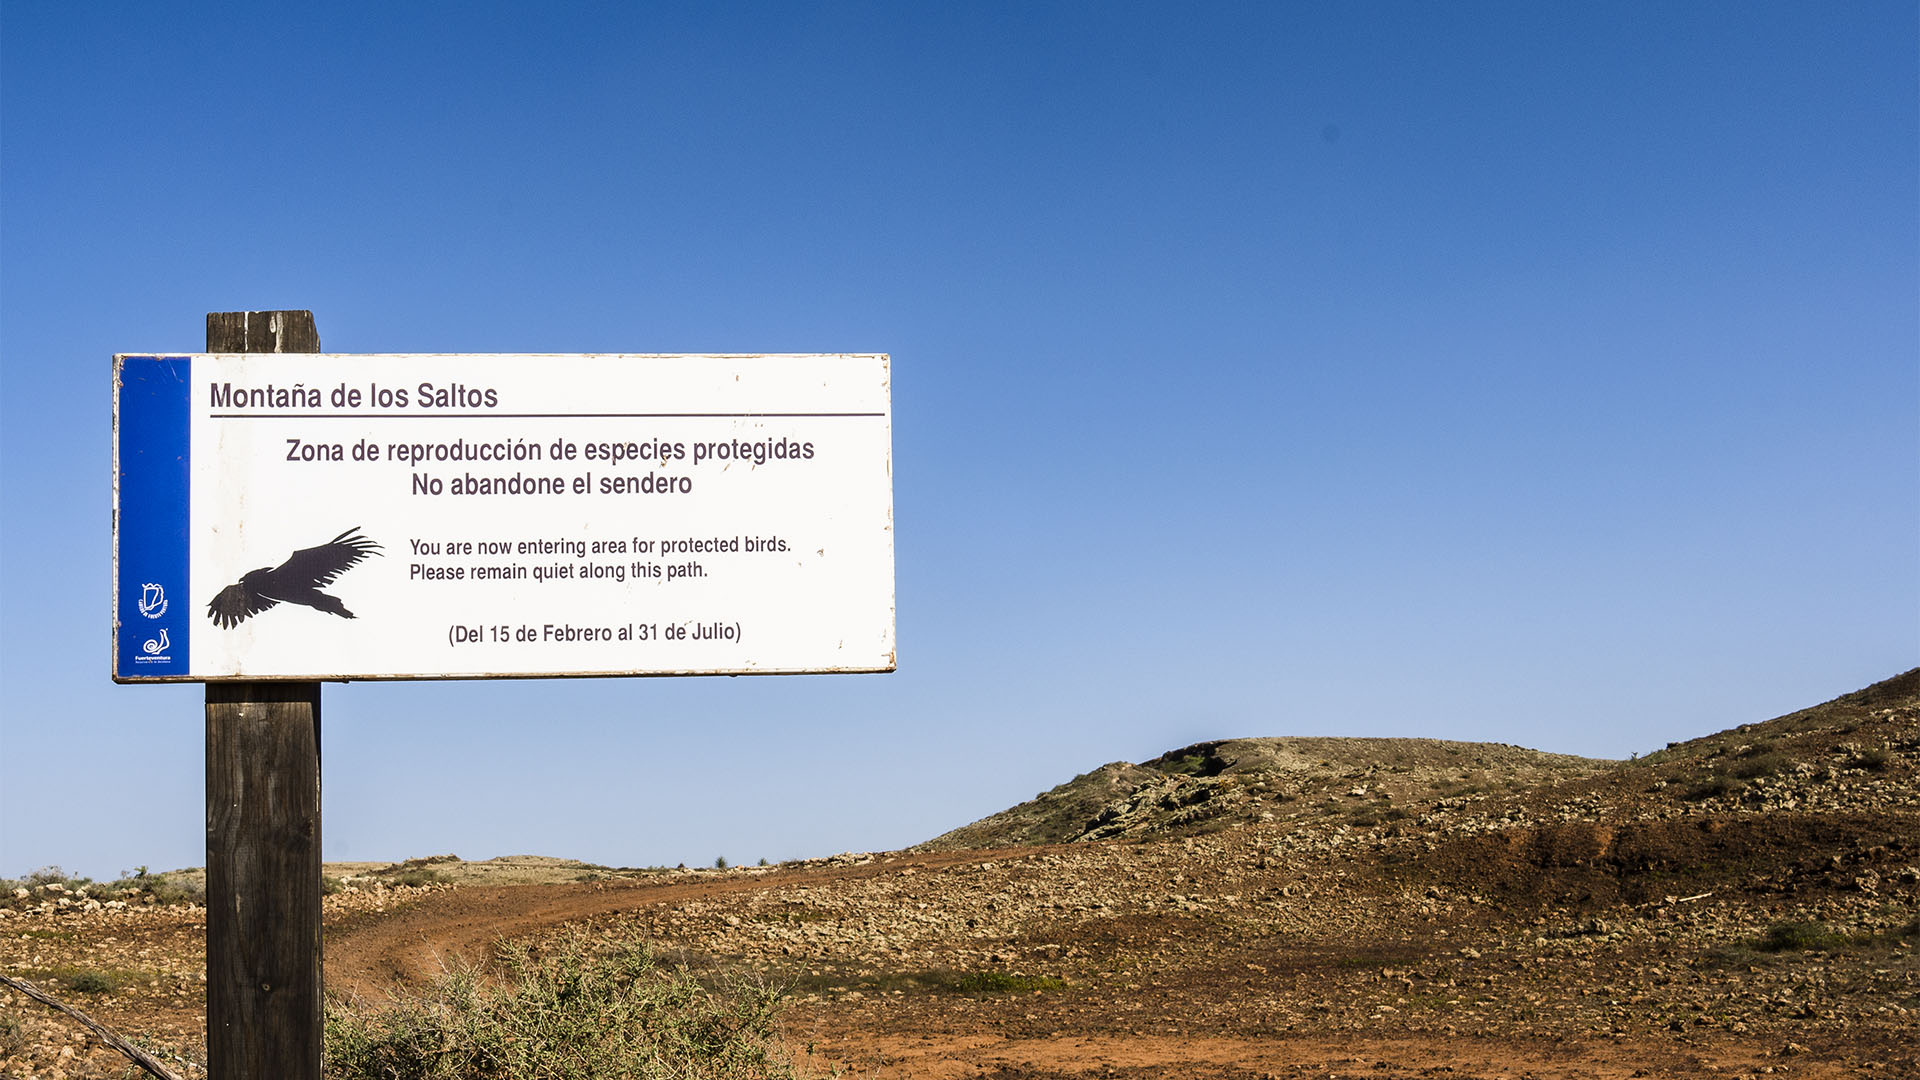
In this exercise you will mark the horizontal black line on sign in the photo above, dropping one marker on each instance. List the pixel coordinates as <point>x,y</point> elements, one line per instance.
<point>545,416</point>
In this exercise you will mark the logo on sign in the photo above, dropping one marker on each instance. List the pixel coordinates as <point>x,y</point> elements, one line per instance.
<point>156,646</point>
<point>153,601</point>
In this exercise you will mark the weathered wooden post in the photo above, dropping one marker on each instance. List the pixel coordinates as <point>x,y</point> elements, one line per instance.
<point>263,830</point>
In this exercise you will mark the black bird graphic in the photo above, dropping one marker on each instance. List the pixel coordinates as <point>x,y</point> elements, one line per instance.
<point>296,581</point>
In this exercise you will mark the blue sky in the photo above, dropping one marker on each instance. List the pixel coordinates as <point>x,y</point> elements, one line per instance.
<point>1543,374</point>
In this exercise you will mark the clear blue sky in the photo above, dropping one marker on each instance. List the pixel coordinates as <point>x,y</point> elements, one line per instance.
<point>1544,374</point>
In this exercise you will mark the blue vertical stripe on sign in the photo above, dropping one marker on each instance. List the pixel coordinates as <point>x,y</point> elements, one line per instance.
<point>152,610</point>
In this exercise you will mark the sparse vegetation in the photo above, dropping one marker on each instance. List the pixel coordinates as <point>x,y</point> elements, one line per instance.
<point>51,883</point>
<point>416,877</point>
<point>13,1035</point>
<point>1713,787</point>
<point>1799,936</point>
<point>575,1007</point>
<point>416,873</point>
<point>974,983</point>
<point>1000,982</point>
<point>181,889</point>
<point>1753,766</point>
<point>89,982</point>
<point>1189,765</point>
<point>1872,760</point>
<point>85,980</point>
<point>1788,938</point>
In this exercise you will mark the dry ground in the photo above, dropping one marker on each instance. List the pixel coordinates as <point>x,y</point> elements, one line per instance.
<point>1748,905</point>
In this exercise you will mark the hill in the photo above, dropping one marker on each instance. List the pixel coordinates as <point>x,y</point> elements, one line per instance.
<point>1849,754</point>
<point>1211,785</point>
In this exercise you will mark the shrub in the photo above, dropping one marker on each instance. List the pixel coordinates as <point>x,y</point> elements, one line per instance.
<point>170,889</point>
<point>130,887</point>
<point>89,982</point>
<point>571,1010</point>
<point>1758,765</point>
<point>417,876</point>
<point>1873,760</point>
<point>1712,788</point>
<point>999,982</point>
<point>1799,937</point>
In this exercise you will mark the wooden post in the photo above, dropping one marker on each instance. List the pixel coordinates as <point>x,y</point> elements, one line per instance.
<point>263,830</point>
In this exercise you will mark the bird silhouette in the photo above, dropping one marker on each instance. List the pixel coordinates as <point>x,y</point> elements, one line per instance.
<point>296,581</point>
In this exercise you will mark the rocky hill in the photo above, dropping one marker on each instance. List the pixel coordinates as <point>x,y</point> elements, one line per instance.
<point>1854,753</point>
<point>1211,785</point>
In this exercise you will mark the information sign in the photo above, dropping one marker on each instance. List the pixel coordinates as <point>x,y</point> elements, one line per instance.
<point>313,516</point>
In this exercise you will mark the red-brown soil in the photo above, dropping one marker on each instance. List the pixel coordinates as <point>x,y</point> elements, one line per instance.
<point>1697,914</point>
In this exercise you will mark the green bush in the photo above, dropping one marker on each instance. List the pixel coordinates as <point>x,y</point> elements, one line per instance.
<point>1712,788</point>
<point>1191,765</point>
<point>181,889</point>
<point>571,1010</point>
<point>89,982</point>
<point>937,980</point>
<point>1799,937</point>
<point>416,876</point>
<point>1755,766</point>
<point>129,887</point>
<point>1873,760</point>
<point>999,982</point>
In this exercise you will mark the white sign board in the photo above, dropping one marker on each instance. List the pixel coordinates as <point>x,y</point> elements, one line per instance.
<point>313,516</point>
